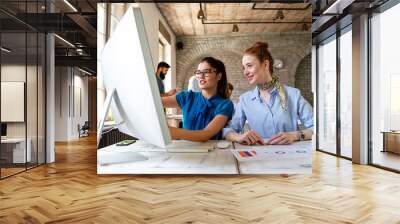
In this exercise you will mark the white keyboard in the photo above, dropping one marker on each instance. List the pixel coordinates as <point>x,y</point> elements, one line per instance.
<point>176,146</point>
<point>186,146</point>
<point>188,150</point>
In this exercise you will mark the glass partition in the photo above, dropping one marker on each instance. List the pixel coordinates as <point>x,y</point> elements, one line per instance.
<point>327,95</point>
<point>346,92</point>
<point>13,105</point>
<point>23,89</point>
<point>385,89</point>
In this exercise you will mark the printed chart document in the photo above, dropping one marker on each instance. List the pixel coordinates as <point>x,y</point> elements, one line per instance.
<point>269,152</point>
<point>274,159</point>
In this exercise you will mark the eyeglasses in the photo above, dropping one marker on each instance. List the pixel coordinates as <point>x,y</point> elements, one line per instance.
<point>206,73</point>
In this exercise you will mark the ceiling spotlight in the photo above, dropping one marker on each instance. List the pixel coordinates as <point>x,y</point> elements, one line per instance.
<point>79,51</point>
<point>235,28</point>
<point>5,50</point>
<point>305,27</point>
<point>279,15</point>
<point>200,14</point>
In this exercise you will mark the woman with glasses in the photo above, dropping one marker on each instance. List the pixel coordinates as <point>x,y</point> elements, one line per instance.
<point>205,113</point>
<point>271,108</point>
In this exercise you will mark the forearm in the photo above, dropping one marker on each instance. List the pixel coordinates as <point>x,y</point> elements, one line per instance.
<point>169,102</point>
<point>232,136</point>
<point>308,133</point>
<point>195,136</point>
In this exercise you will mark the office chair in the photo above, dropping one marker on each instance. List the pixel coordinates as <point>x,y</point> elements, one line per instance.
<point>84,130</point>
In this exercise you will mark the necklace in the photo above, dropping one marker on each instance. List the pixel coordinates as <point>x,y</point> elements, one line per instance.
<point>268,85</point>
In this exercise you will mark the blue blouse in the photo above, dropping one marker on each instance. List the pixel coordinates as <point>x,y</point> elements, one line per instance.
<point>270,119</point>
<point>198,111</point>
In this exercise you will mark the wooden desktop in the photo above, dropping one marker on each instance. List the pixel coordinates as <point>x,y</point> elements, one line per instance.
<point>218,161</point>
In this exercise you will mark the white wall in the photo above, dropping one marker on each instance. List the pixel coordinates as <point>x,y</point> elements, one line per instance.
<point>35,124</point>
<point>11,73</point>
<point>61,103</point>
<point>15,73</point>
<point>68,83</point>
<point>80,83</point>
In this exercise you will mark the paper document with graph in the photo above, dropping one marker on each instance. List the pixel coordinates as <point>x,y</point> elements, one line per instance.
<point>270,152</point>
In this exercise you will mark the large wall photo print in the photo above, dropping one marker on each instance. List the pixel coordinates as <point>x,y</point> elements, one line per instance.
<point>205,92</point>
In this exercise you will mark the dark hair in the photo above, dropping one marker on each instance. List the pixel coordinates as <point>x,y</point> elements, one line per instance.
<point>222,86</point>
<point>260,50</point>
<point>163,65</point>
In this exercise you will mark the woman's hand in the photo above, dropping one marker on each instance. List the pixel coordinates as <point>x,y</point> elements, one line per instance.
<point>283,138</point>
<point>173,133</point>
<point>171,92</point>
<point>250,138</point>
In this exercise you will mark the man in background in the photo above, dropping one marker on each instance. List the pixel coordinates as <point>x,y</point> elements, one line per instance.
<point>162,70</point>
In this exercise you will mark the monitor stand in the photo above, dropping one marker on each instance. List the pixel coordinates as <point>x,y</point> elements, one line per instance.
<point>117,157</point>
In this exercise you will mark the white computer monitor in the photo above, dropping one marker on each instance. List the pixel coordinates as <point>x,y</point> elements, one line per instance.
<point>128,72</point>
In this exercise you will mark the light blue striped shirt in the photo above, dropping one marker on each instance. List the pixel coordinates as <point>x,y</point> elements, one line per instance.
<point>270,119</point>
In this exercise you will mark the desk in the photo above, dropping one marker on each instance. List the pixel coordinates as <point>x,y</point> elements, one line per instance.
<point>391,141</point>
<point>16,147</point>
<point>219,161</point>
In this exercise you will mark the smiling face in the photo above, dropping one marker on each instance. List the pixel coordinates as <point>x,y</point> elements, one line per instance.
<point>207,76</point>
<point>255,71</point>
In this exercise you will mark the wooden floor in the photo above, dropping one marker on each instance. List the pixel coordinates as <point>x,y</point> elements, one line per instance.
<point>70,191</point>
<point>10,171</point>
<point>387,159</point>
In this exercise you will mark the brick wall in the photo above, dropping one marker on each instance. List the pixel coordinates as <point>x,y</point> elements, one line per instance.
<point>291,48</point>
<point>303,79</point>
